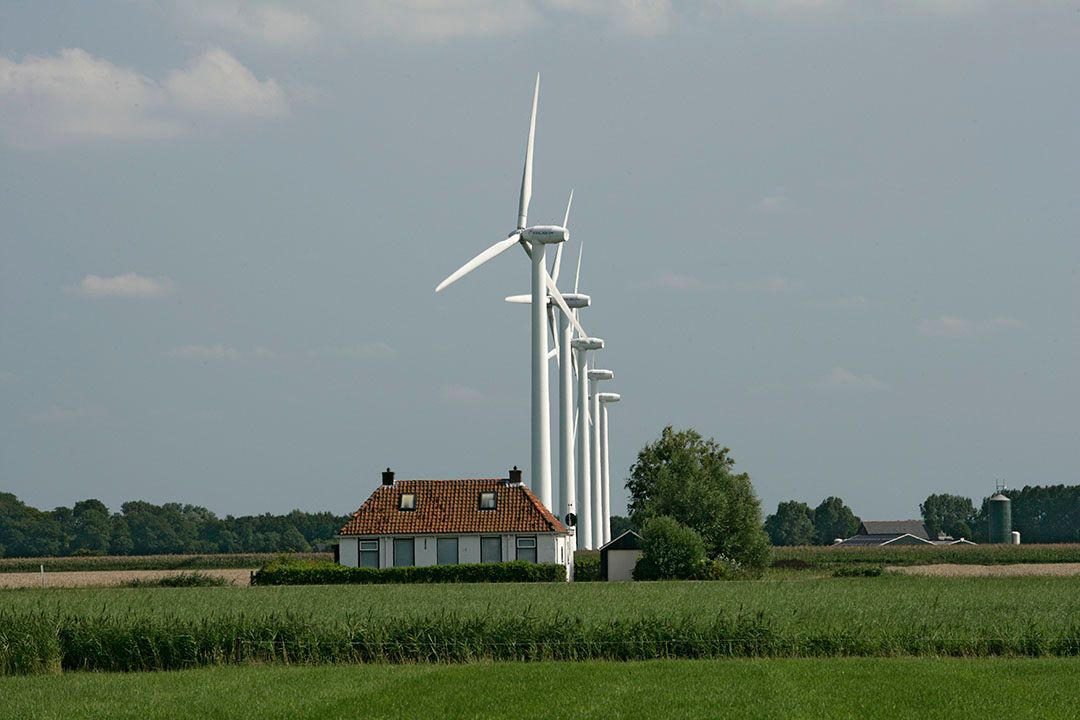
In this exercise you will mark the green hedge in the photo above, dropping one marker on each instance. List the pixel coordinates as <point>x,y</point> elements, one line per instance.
<point>292,572</point>
<point>586,565</point>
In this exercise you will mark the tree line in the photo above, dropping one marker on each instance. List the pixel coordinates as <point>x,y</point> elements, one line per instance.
<point>1041,513</point>
<point>142,528</point>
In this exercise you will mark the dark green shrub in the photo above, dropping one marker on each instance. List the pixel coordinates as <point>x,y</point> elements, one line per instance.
<point>586,566</point>
<point>671,551</point>
<point>859,571</point>
<point>184,579</point>
<point>292,572</point>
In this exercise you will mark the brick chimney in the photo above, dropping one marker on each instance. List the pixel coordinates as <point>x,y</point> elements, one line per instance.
<point>388,477</point>
<point>515,476</point>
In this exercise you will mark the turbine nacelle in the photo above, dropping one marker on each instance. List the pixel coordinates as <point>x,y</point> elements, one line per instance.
<point>574,301</point>
<point>608,397</point>
<point>601,375</point>
<point>587,343</point>
<point>544,234</point>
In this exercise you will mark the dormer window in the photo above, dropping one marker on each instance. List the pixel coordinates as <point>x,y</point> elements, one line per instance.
<point>487,501</point>
<point>407,502</point>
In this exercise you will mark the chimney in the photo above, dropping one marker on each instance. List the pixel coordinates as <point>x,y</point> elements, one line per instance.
<point>515,476</point>
<point>388,477</point>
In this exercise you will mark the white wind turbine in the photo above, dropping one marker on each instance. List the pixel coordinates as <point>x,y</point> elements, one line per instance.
<point>563,352</point>
<point>606,398</point>
<point>584,535</point>
<point>534,239</point>
<point>595,377</point>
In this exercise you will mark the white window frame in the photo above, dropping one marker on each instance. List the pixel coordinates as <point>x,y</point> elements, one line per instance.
<point>412,502</point>
<point>372,547</point>
<point>528,543</point>
<point>494,500</point>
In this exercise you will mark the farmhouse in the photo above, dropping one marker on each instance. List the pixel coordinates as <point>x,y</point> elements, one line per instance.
<point>876,533</point>
<point>446,522</point>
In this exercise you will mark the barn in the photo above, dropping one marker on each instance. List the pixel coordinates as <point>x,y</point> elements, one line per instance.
<point>447,522</point>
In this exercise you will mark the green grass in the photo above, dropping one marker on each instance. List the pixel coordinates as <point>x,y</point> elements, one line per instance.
<point>45,630</point>
<point>820,689</point>
<point>817,556</point>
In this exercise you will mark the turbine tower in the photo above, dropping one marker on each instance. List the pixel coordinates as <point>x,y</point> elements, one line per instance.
<point>606,398</point>
<point>584,535</point>
<point>595,377</point>
<point>534,239</point>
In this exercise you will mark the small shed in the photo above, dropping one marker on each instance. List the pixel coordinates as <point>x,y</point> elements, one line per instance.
<point>618,557</point>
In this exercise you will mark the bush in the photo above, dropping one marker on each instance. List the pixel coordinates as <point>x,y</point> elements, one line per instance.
<point>671,551</point>
<point>192,579</point>
<point>859,571</point>
<point>293,572</point>
<point>586,565</point>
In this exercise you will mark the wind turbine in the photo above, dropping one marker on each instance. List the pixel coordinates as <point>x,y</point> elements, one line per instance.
<point>595,377</point>
<point>563,350</point>
<point>606,398</point>
<point>584,345</point>
<point>535,240</point>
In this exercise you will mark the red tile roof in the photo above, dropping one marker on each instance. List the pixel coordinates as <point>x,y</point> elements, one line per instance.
<point>452,506</point>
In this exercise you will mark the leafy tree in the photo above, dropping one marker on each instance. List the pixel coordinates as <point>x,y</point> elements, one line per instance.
<point>791,524</point>
<point>26,531</point>
<point>620,524</point>
<point>120,542</point>
<point>91,527</point>
<point>950,514</point>
<point>671,551</point>
<point>1042,514</point>
<point>691,479</point>
<point>833,519</point>
<point>293,541</point>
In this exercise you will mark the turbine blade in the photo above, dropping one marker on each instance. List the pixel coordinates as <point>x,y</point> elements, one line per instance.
<point>554,353</point>
<point>558,251</point>
<point>526,175</point>
<point>554,292</point>
<point>554,334</point>
<point>577,275</point>
<point>525,299</point>
<point>479,260</point>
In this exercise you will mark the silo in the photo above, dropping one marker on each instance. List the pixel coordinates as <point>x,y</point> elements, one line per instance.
<point>1000,519</point>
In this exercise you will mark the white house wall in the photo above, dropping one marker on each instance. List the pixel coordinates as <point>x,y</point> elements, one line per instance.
<point>348,553</point>
<point>468,549</point>
<point>550,548</point>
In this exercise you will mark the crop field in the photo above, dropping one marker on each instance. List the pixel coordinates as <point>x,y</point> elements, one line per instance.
<point>818,556</point>
<point>148,562</point>
<point>49,630</point>
<point>801,688</point>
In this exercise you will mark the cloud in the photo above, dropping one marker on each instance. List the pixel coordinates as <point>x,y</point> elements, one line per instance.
<point>675,281</point>
<point>263,23</point>
<point>776,284</point>
<point>67,415</point>
<point>376,350</point>
<point>632,17</point>
<point>423,20</point>
<point>772,204</point>
<point>74,96</point>
<point>952,326</point>
<point>462,395</point>
<point>842,378</point>
<point>204,352</point>
<point>126,285</point>
<point>215,83</point>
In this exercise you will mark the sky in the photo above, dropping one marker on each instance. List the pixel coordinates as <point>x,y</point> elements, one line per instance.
<point>839,237</point>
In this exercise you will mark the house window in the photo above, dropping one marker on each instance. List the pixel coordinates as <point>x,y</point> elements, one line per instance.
<point>369,553</point>
<point>447,551</point>
<point>403,552</point>
<point>490,549</point>
<point>487,501</point>
<point>526,549</point>
<point>407,501</point>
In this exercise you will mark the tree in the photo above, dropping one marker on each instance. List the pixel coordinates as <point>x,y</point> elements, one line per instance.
<point>791,524</point>
<point>671,551</point>
<point>833,519</point>
<point>620,524</point>
<point>686,477</point>
<point>950,514</point>
<point>91,527</point>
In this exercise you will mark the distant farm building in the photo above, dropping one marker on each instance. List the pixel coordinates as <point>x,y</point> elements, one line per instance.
<point>878,533</point>
<point>447,522</point>
<point>618,557</point>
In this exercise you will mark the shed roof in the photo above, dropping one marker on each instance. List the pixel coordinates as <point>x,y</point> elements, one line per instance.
<point>452,506</point>
<point>629,540</point>
<point>894,527</point>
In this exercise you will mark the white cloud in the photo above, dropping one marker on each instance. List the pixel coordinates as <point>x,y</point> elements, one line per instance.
<point>376,350</point>
<point>74,96</point>
<point>264,23</point>
<point>67,415</point>
<point>424,20</point>
<point>634,17</point>
<point>776,284</point>
<point>125,285</point>
<point>772,204</point>
<point>843,378</point>
<point>204,352</point>
<point>675,281</point>
<point>952,326</point>
<point>216,83</point>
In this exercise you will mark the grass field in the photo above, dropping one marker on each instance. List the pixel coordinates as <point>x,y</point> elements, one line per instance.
<point>168,628</point>
<point>845,688</point>
<point>148,562</point>
<point>818,556</point>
